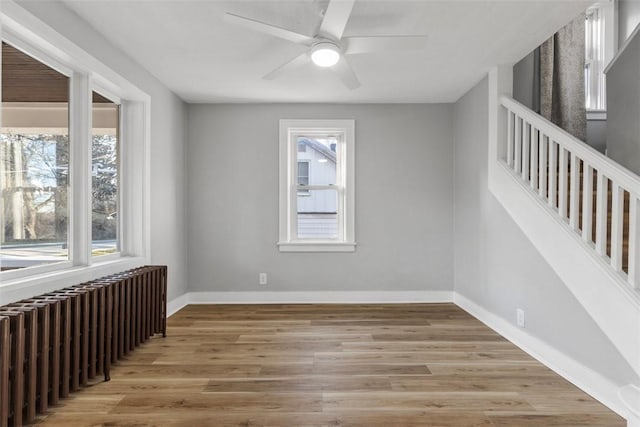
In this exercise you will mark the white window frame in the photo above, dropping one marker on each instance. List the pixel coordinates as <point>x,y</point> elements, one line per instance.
<point>33,36</point>
<point>345,185</point>
<point>121,151</point>
<point>604,38</point>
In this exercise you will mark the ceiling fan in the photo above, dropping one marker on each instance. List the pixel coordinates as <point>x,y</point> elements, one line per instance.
<point>328,48</point>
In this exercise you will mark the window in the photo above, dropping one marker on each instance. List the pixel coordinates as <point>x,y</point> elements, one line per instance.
<point>317,185</point>
<point>600,44</point>
<point>104,176</point>
<point>74,162</point>
<point>34,162</point>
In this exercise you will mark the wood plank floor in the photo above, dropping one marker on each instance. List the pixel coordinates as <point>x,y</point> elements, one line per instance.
<point>330,365</point>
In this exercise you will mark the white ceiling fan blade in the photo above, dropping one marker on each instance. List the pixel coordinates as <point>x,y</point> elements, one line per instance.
<point>371,44</point>
<point>346,74</point>
<point>269,29</point>
<point>299,60</point>
<point>335,18</point>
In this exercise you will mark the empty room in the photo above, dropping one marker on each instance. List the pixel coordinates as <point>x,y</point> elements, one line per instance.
<point>373,213</point>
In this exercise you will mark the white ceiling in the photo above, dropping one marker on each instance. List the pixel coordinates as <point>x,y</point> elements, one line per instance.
<point>192,50</point>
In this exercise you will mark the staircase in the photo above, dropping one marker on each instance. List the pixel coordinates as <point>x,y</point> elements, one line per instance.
<point>592,195</point>
<point>581,210</point>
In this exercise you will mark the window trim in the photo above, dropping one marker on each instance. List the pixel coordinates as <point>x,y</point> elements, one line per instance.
<point>607,10</point>
<point>288,186</point>
<point>35,37</point>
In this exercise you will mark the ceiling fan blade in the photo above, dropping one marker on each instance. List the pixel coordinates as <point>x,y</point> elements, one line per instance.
<point>346,74</point>
<point>272,30</point>
<point>299,60</point>
<point>357,45</point>
<point>335,18</point>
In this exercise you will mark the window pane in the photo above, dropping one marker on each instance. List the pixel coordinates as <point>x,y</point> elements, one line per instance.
<point>317,214</point>
<point>320,155</point>
<point>34,162</point>
<point>303,173</point>
<point>104,171</point>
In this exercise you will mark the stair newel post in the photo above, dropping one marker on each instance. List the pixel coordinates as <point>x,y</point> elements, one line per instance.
<point>501,147</point>
<point>587,202</point>
<point>634,241</point>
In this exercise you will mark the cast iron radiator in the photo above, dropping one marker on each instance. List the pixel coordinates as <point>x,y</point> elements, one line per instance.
<point>54,344</point>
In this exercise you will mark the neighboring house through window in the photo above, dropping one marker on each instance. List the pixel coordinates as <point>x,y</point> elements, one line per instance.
<point>316,185</point>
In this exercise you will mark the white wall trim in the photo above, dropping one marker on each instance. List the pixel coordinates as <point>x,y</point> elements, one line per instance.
<point>177,304</point>
<point>322,297</point>
<point>570,369</point>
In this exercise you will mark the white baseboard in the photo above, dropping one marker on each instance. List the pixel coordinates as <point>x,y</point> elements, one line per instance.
<point>327,297</point>
<point>573,371</point>
<point>177,304</point>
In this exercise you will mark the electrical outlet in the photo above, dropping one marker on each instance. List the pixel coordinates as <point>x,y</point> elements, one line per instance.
<point>520,317</point>
<point>263,278</point>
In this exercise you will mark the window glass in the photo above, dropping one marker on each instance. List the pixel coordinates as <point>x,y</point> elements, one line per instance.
<point>34,162</point>
<point>317,215</point>
<point>303,173</point>
<point>594,59</point>
<point>104,176</point>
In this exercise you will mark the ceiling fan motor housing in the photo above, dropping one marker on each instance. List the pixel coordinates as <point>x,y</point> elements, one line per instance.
<point>325,53</point>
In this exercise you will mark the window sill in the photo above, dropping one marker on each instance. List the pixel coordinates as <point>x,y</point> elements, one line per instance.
<point>28,285</point>
<point>596,115</point>
<point>317,246</point>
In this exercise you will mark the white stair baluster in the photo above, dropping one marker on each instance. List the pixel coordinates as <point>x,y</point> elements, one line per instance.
<point>574,194</point>
<point>526,150</point>
<point>563,172</point>
<point>510,138</point>
<point>634,241</point>
<point>617,225</point>
<point>534,158</point>
<point>601,214</point>
<point>587,202</point>
<point>544,160</point>
<point>553,172</point>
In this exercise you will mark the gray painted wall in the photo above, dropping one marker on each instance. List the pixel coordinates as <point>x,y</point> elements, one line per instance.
<point>498,268</point>
<point>623,107</point>
<point>628,18</point>
<point>403,200</point>
<point>523,81</point>
<point>168,119</point>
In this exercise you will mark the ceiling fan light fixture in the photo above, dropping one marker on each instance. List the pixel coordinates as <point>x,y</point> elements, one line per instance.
<point>325,54</point>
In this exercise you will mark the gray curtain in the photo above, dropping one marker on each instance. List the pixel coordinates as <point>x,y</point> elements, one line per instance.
<point>562,90</point>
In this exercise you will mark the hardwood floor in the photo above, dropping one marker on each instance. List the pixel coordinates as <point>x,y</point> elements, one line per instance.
<point>330,365</point>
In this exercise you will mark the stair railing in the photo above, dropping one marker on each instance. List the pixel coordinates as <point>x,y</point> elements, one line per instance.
<point>593,195</point>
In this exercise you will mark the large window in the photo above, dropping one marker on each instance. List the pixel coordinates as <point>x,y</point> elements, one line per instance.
<point>74,161</point>
<point>317,185</point>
